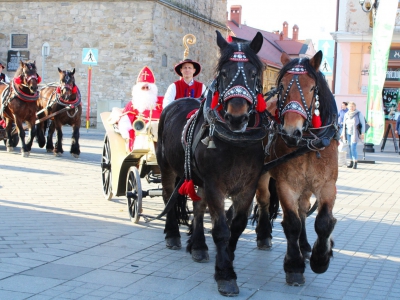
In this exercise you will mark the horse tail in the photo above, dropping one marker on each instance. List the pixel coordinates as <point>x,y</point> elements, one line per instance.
<point>273,200</point>
<point>181,210</point>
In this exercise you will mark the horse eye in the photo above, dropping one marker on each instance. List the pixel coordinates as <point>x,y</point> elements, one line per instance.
<point>223,73</point>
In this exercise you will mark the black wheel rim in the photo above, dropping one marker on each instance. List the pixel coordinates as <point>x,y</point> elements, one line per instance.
<point>106,168</point>
<point>132,195</point>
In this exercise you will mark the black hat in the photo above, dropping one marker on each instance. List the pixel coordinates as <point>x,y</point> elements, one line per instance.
<point>195,64</point>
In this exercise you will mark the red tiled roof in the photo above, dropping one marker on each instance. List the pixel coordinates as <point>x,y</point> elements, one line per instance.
<point>272,47</point>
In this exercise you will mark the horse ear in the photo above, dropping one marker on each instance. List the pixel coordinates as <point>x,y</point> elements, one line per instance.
<point>316,60</point>
<point>59,70</point>
<point>21,63</point>
<point>285,58</point>
<point>221,42</point>
<point>257,42</point>
<point>73,71</point>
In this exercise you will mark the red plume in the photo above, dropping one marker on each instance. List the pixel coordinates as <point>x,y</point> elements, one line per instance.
<point>229,39</point>
<point>39,79</point>
<point>17,80</point>
<point>58,90</point>
<point>187,188</point>
<point>214,101</point>
<point>74,89</point>
<point>316,121</point>
<point>261,104</point>
<point>277,116</point>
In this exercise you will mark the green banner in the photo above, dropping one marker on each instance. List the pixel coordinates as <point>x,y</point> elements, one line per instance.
<point>381,40</point>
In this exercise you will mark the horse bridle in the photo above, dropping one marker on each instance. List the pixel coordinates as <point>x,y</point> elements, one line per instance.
<point>295,106</point>
<point>233,91</point>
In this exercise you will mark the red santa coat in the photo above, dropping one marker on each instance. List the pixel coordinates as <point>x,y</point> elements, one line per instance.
<point>133,113</point>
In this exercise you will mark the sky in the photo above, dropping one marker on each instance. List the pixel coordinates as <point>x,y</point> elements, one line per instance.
<point>315,18</point>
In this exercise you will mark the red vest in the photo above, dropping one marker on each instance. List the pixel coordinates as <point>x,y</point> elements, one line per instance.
<point>184,90</point>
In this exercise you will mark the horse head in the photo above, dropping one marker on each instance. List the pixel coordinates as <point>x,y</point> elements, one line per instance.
<point>238,81</point>
<point>298,99</point>
<point>27,76</point>
<point>67,84</point>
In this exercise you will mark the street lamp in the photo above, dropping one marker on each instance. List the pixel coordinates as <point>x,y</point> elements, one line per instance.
<point>367,6</point>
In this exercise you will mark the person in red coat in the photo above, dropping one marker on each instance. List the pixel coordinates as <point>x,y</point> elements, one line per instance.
<point>144,104</point>
<point>186,86</point>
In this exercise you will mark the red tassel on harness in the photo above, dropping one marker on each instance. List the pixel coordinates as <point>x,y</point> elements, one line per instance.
<point>187,188</point>
<point>39,79</point>
<point>214,101</point>
<point>277,116</point>
<point>316,121</point>
<point>58,90</point>
<point>17,80</point>
<point>74,89</point>
<point>261,104</point>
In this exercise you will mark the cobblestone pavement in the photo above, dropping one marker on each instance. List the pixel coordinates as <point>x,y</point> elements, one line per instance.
<point>60,239</point>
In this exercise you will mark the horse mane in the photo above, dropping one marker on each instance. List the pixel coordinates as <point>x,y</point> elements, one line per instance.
<point>19,70</point>
<point>327,101</point>
<point>227,52</point>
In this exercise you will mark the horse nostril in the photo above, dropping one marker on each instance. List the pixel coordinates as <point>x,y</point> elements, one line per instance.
<point>297,133</point>
<point>228,117</point>
<point>245,119</point>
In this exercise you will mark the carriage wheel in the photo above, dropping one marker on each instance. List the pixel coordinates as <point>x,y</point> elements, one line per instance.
<point>134,194</point>
<point>313,208</point>
<point>106,169</point>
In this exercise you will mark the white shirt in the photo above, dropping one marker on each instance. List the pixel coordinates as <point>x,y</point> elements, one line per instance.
<point>171,93</point>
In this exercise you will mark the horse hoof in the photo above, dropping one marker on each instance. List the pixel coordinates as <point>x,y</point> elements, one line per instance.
<point>75,155</point>
<point>319,267</point>
<point>49,150</point>
<point>200,256</point>
<point>57,154</point>
<point>26,154</point>
<point>173,243</point>
<point>10,149</point>
<point>228,288</point>
<point>295,279</point>
<point>264,244</point>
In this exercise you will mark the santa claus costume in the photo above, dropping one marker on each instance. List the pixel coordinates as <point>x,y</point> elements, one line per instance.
<point>145,104</point>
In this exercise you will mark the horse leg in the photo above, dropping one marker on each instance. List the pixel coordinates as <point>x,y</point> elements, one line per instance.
<point>294,264</point>
<point>197,246</point>
<point>58,151</point>
<point>9,135</point>
<point>304,206</point>
<point>75,149</point>
<point>171,230</point>
<point>224,275</point>
<point>21,132</point>
<point>264,227</point>
<point>31,136</point>
<point>49,144</point>
<point>40,134</point>
<point>324,225</point>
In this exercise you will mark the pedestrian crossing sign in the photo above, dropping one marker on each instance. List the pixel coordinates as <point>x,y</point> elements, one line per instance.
<point>90,56</point>
<point>326,66</point>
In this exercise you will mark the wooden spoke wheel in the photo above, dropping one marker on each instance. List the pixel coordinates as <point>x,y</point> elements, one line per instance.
<point>134,194</point>
<point>106,169</point>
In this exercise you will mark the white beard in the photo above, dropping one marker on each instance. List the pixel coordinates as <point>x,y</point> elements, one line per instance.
<point>144,99</point>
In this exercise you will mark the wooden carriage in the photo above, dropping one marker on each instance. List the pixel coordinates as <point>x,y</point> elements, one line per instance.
<point>122,170</point>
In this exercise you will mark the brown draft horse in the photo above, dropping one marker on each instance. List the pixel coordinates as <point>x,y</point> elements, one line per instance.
<point>303,94</point>
<point>63,101</point>
<point>18,104</point>
<point>223,157</point>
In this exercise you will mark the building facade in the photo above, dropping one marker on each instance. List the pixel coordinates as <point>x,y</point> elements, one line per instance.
<point>354,43</point>
<point>128,34</point>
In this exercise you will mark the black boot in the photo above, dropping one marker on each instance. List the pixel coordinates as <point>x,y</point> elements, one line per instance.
<point>350,165</point>
<point>355,165</point>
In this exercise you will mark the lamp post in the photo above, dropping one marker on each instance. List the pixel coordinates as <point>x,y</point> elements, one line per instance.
<point>368,6</point>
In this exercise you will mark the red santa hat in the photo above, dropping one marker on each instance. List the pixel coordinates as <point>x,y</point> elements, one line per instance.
<point>146,75</point>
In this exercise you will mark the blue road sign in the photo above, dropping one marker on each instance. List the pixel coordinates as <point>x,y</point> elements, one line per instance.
<point>90,56</point>
<point>327,47</point>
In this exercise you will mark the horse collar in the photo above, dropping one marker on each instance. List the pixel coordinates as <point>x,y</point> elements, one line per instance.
<point>23,96</point>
